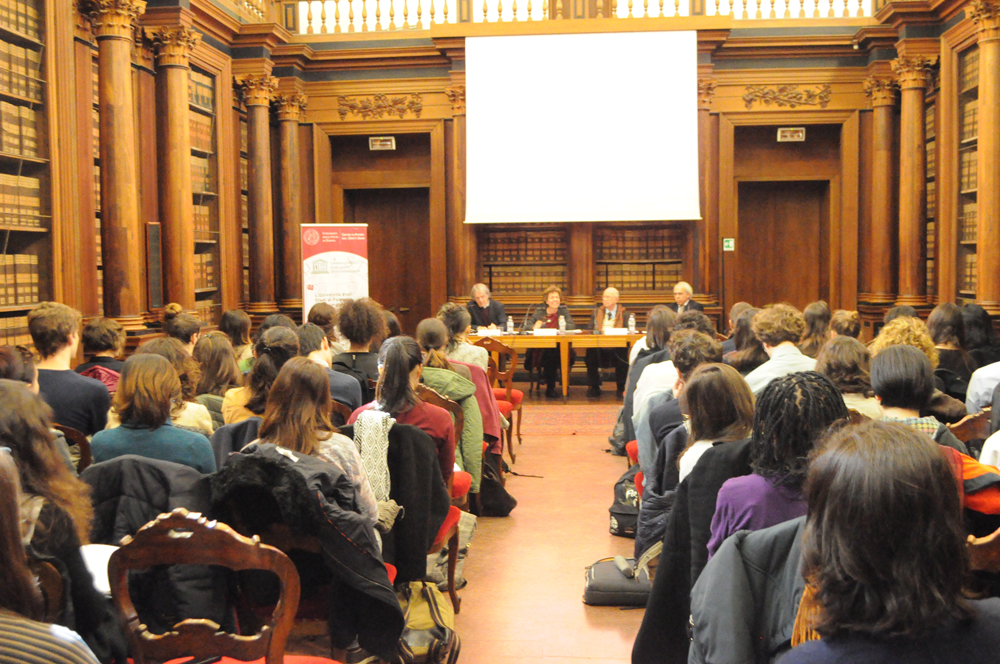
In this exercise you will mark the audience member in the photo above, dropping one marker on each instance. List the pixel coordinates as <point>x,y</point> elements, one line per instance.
<point>18,363</point>
<point>56,516</point>
<point>720,407</point>
<point>659,326</point>
<point>297,417</point>
<point>23,639</point>
<point>235,324</point>
<point>219,373</point>
<point>458,322</point>
<point>274,320</point>
<point>392,329</point>
<point>981,387</point>
<point>400,364</point>
<point>103,341</point>
<point>846,361</point>
<point>749,352</point>
<point>903,381</point>
<point>955,365</point>
<point>77,401</point>
<point>275,347</point>
<point>181,326</point>
<point>792,414</point>
<point>980,336</point>
<point>484,310</point>
<point>149,392</point>
<point>643,343</point>
<point>547,315</point>
<point>682,298</point>
<point>608,314</point>
<point>432,337</point>
<point>899,311</point>
<point>189,413</point>
<point>729,345</point>
<point>324,315</point>
<point>361,323</point>
<point>845,324</point>
<point>779,329</point>
<point>817,317</point>
<point>314,345</point>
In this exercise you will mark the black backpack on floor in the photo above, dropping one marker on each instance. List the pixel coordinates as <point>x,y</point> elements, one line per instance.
<point>625,510</point>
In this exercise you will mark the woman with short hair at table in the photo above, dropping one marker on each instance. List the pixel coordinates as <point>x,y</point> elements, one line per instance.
<point>547,315</point>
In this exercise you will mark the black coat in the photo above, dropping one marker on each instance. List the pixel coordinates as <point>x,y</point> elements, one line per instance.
<point>231,438</point>
<point>495,314</point>
<point>659,491</point>
<point>691,306</point>
<point>644,359</point>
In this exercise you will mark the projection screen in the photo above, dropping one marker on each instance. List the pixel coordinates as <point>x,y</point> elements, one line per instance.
<point>591,127</point>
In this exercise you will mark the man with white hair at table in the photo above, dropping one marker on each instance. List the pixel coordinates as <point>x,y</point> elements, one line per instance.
<point>682,299</point>
<point>608,315</point>
<point>484,310</point>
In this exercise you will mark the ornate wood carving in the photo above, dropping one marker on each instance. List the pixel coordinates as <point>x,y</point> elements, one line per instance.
<point>173,44</point>
<point>257,89</point>
<point>880,91</point>
<point>915,71</point>
<point>986,15</point>
<point>113,18</point>
<point>290,107</point>
<point>787,95</point>
<point>456,95</point>
<point>706,93</point>
<point>379,106</point>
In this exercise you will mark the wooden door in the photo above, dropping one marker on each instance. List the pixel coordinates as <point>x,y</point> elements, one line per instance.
<point>781,243</point>
<point>398,249</point>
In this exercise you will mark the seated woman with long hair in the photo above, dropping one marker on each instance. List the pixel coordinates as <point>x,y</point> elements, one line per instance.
<point>458,322</point>
<point>793,412</point>
<point>817,317</point>
<point>400,366</point>
<point>846,362</point>
<point>432,336</point>
<point>220,373</point>
<point>297,417</point>
<point>955,366</point>
<point>749,353</point>
<point>188,412</point>
<point>56,511</point>
<point>980,336</point>
<point>235,324</point>
<point>275,346</point>
<point>884,555</point>
<point>147,394</point>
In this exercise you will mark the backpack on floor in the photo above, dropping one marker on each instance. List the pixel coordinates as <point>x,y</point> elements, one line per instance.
<point>429,636</point>
<point>625,510</point>
<point>617,437</point>
<point>616,582</point>
<point>494,499</point>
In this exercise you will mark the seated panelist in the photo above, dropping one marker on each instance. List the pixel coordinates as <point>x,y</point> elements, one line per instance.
<point>547,315</point>
<point>485,311</point>
<point>682,298</point>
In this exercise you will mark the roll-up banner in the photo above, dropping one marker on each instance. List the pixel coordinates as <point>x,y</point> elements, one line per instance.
<point>334,264</point>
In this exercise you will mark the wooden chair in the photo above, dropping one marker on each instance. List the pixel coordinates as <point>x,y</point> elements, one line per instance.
<point>984,552</point>
<point>504,356</point>
<point>181,537</point>
<point>53,589</point>
<point>973,427</point>
<point>341,410</point>
<point>74,437</point>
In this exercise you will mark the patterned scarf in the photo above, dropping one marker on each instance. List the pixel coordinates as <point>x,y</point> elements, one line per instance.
<point>371,435</point>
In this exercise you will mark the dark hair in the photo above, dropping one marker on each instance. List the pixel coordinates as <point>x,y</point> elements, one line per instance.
<point>275,347</point>
<point>456,319</point>
<point>392,328</point>
<point>749,353</point>
<point>432,336</point>
<point>102,335</point>
<point>777,324</point>
<point>817,317</point>
<point>298,406</point>
<point>946,325</point>
<point>659,326</point>
<point>361,321</point>
<point>25,427</point>
<point>17,363</point>
<point>694,320</point>
<point>148,391</point>
<point>793,412</point>
<point>884,543</point>
<point>311,338</point>
<point>899,311</point>
<point>397,358</point>
<point>217,361</point>
<point>719,403</point>
<point>846,362</point>
<point>902,377</point>
<point>274,320</point>
<point>846,323</point>
<point>50,325</point>
<point>737,309</point>
<point>19,592</point>
<point>235,324</point>
<point>324,315</point>
<point>979,332</point>
<point>188,371</point>
<point>689,348</point>
<point>179,325</point>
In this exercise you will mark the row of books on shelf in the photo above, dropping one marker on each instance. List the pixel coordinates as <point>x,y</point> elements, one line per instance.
<point>18,279</point>
<point>204,271</point>
<point>22,16</point>
<point>244,137</point>
<point>643,277</point>
<point>203,223</point>
<point>19,129</point>
<point>967,226</point>
<point>246,250</point>
<point>205,311</point>
<point>14,331</point>
<point>95,132</point>
<point>929,124</point>
<point>638,244</point>
<point>201,132</point>
<point>20,71</point>
<point>246,284</point>
<point>97,186</point>
<point>99,246</point>
<point>501,246</point>
<point>245,210</point>
<point>20,201</point>
<point>968,121</point>
<point>517,281</point>
<point>970,272</point>
<point>931,199</point>
<point>244,174</point>
<point>201,174</point>
<point>968,70</point>
<point>931,156</point>
<point>201,91</point>
<point>968,170</point>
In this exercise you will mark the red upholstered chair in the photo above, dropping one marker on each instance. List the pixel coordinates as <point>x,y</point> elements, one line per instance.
<point>632,450</point>
<point>502,355</point>
<point>449,534</point>
<point>639,479</point>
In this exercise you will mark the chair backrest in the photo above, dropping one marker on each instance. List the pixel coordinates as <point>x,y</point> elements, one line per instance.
<point>53,589</point>
<point>74,437</point>
<point>342,411</point>
<point>984,552</point>
<point>181,537</point>
<point>506,358</point>
<point>973,427</point>
<point>431,396</point>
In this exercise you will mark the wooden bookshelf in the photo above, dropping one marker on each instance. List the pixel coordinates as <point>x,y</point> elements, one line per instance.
<point>638,259</point>
<point>519,261</point>
<point>968,132</point>
<point>202,105</point>
<point>25,217</point>
<point>930,147</point>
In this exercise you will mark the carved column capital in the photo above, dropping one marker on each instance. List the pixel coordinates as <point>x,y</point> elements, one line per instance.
<point>706,93</point>
<point>290,108</point>
<point>986,15</point>
<point>113,18</point>
<point>173,44</point>
<point>456,95</point>
<point>880,91</point>
<point>258,89</point>
<point>914,72</point>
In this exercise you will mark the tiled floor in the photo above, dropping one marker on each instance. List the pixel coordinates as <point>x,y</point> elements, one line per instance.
<point>526,572</point>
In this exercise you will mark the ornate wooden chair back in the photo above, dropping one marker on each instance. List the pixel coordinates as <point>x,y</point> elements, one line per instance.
<point>74,437</point>
<point>341,411</point>
<point>504,357</point>
<point>973,427</point>
<point>431,396</point>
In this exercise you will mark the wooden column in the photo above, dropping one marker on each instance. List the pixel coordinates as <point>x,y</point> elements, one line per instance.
<point>174,46</point>
<point>462,272</point>
<point>884,234</point>
<point>290,111</point>
<point>121,228</point>
<point>914,75</point>
<point>257,92</point>
<point>986,15</point>
<point>704,232</point>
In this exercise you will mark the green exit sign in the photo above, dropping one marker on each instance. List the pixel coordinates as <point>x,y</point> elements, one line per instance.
<point>729,244</point>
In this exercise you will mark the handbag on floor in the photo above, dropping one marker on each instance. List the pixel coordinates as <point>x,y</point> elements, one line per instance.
<point>494,500</point>
<point>625,510</point>
<point>616,582</point>
<point>429,636</point>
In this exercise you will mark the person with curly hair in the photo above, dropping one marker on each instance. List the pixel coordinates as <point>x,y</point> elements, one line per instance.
<point>845,323</point>
<point>458,322</point>
<point>779,329</point>
<point>846,362</point>
<point>361,323</point>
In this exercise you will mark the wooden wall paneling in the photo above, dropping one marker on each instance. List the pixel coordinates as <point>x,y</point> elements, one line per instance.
<point>307,174</point>
<point>462,252</point>
<point>865,261</point>
<point>438,220</point>
<point>81,248</point>
<point>844,255</point>
<point>728,222</point>
<point>581,260</point>
<point>322,175</point>
<point>947,172</point>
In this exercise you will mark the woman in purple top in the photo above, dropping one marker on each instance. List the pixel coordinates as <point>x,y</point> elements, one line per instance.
<point>792,413</point>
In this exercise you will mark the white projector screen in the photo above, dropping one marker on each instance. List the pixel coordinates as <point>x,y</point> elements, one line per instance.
<point>592,127</point>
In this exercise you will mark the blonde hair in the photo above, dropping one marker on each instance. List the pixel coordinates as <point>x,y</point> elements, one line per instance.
<point>906,331</point>
<point>777,324</point>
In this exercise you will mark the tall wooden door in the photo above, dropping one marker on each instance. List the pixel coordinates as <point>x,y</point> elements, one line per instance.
<point>782,243</point>
<point>398,248</point>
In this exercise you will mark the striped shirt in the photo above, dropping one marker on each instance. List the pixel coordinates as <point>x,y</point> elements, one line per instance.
<point>24,641</point>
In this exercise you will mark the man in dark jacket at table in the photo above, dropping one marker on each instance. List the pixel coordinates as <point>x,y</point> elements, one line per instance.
<point>485,311</point>
<point>682,298</point>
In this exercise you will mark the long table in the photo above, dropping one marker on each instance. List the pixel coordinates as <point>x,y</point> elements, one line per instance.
<point>564,342</point>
